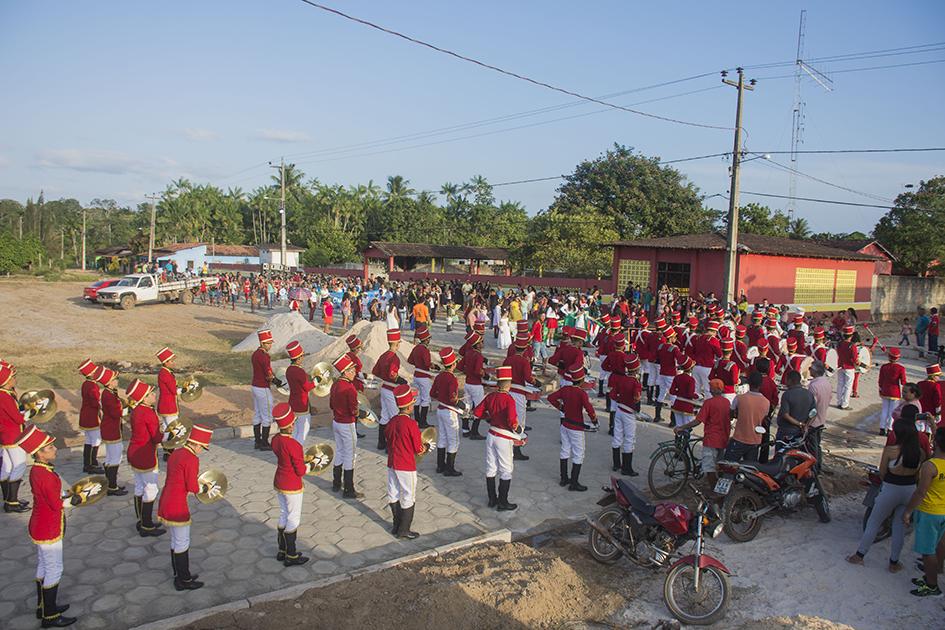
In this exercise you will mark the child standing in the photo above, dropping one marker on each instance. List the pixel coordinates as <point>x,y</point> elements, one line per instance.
<point>904,332</point>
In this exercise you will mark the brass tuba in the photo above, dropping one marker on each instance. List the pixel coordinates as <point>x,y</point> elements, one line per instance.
<point>90,490</point>
<point>38,405</point>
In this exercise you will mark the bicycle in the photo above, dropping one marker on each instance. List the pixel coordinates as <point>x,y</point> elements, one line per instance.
<point>672,464</point>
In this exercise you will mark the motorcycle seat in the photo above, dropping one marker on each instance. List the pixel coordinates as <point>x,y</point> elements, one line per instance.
<point>637,501</point>
<point>770,468</point>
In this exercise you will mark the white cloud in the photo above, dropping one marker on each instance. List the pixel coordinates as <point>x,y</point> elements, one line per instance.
<point>91,161</point>
<point>282,135</point>
<point>196,133</point>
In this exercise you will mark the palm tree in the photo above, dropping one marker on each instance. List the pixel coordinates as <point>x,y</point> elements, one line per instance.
<point>397,189</point>
<point>799,229</point>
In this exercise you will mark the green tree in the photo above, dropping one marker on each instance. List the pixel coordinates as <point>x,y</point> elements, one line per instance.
<point>17,254</point>
<point>573,242</point>
<point>329,245</point>
<point>799,229</point>
<point>754,218</point>
<point>912,230</point>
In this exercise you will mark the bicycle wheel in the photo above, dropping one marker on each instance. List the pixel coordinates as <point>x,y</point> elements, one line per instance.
<point>669,470</point>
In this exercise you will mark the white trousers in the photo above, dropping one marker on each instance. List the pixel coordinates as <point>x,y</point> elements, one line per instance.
<point>521,404</point>
<point>474,395</point>
<point>14,464</point>
<point>701,374</point>
<point>653,369</point>
<point>844,386</point>
<point>113,454</point>
<point>262,405</point>
<point>146,485</point>
<point>303,422</point>
<point>665,382</point>
<point>402,487</point>
<point>886,414</point>
<point>388,406</point>
<point>423,385</point>
<point>49,563</point>
<point>93,437</point>
<point>290,511</point>
<point>625,431</point>
<point>180,538</point>
<point>730,397</point>
<point>165,420</point>
<point>498,457</point>
<point>346,440</point>
<point>447,430</point>
<point>683,418</point>
<point>572,445</point>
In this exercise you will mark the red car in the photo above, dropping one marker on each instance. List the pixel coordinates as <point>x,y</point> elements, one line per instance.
<point>91,293</point>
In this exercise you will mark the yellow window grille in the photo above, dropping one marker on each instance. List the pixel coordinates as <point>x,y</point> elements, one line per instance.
<point>846,285</point>
<point>813,286</point>
<point>633,271</point>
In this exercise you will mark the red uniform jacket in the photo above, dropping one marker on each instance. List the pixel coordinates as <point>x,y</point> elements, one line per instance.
<point>91,405</point>
<point>573,401</point>
<point>387,368</point>
<point>683,385</point>
<point>740,356</point>
<point>930,398</point>
<point>498,408</point>
<point>727,372</point>
<point>603,343</point>
<point>145,437</point>
<point>847,355</point>
<point>111,417</point>
<point>791,363</point>
<point>652,343</point>
<point>892,376</point>
<point>359,368</point>
<point>625,391</point>
<point>705,350</point>
<point>521,373</point>
<point>445,388</point>
<point>771,366</point>
<point>343,400</point>
<point>290,464</point>
<point>754,333</point>
<point>299,387</point>
<point>615,362</point>
<point>565,358</point>
<point>471,365</point>
<point>819,353</point>
<point>774,347</point>
<point>769,389</point>
<point>262,368</point>
<point>11,420</point>
<point>668,356</point>
<point>183,468</point>
<point>421,361</point>
<point>528,352</point>
<point>403,443</point>
<point>48,518</point>
<point>167,393</point>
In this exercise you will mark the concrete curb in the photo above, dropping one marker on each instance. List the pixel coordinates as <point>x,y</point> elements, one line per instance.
<point>291,592</point>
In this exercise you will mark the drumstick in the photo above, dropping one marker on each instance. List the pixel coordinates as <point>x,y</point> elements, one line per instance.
<point>876,337</point>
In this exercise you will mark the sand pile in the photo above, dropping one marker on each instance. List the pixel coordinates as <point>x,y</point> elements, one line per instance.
<point>284,326</point>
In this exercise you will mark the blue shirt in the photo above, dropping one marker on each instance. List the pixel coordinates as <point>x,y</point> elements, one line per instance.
<point>922,324</point>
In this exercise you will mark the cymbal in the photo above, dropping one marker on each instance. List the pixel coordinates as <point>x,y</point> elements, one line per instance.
<point>177,433</point>
<point>366,415</point>
<point>38,405</point>
<point>428,437</point>
<point>190,389</point>
<point>282,385</point>
<point>321,374</point>
<point>89,489</point>
<point>320,456</point>
<point>217,483</point>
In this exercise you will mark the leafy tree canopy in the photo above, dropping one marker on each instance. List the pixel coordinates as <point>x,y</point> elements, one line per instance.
<point>912,229</point>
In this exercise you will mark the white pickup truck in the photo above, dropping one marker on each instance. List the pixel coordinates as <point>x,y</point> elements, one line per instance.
<point>142,288</point>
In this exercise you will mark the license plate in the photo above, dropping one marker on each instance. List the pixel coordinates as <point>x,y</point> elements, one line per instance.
<point>723,485</point>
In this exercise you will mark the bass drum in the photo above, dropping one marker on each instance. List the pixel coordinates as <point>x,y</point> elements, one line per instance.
<point>864,360</point>
<point>832,361</point>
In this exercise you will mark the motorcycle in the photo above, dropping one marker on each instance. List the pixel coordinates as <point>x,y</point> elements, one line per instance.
<point>786,483</point>
<point>696,589</point>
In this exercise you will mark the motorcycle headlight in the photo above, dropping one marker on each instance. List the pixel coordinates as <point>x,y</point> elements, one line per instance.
<point>740,477</point>
<point>716,530</point>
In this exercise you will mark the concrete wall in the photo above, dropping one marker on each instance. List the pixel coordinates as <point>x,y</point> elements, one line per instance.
<point>900,295</point>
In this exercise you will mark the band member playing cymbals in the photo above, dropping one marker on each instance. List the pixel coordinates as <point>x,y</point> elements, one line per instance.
<point>387,369</point>
<point>499,409</point>
<point>262,394</point>
<point>625,391</point>
<point>90,415</point>
<point>300,384</point>
<point>422,377</point>
<point>183,468</point>
<point>471,364</point>
<point>572,401</point>
<point>11,427</point>
<point>354,349</point>
<point>290,468</point>
<point>343,401</point>
<point>112,411</point>
<point>146,436</point>
<point>403,446</point>
<point>168,409</point>
<point>445,392</point>
<point>521,377</point>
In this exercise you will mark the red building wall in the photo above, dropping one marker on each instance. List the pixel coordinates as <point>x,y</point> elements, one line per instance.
<point>883,267</point>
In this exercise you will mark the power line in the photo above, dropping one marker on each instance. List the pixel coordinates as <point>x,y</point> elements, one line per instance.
<point>509,73</point>
<point>897,65</point>
<point>828,151</point>
<point>813,200</point>
<point>823,181</point>
<point>867,54</point>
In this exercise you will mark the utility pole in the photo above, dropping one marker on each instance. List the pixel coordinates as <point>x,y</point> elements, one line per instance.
<point>153,199</point>
<point>83,239</point>
<point>731,248</point>
<point>282,247</point>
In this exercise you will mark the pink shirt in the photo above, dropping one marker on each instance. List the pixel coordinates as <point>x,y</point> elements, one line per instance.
<point>821,389</point>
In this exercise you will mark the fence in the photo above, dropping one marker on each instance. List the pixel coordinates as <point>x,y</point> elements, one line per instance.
<point>900,295</point>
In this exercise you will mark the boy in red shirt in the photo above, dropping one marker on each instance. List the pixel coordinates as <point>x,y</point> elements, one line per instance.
<point>89,418</point>
<point>892,377</point>
<point>683,386</point>
<point>403,446</point>
<point>499,410</point>
<point>300,385</point>
<point>625,392</point>
<point>146,436</point>
<point>572,401</point>
<point>290,468</point>
<point>716,420</point>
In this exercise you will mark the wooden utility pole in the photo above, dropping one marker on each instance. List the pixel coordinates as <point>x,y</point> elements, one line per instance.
<point>282,259</point>
<point>83,239</point>
<point>153,199</point>
<point>731,247</point>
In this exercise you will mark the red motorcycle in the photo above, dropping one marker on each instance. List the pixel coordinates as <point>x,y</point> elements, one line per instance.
<point>696,589</point>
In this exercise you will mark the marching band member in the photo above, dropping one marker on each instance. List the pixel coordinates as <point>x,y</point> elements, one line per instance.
<point>183,469</point>
<point>387,369</point>
<point>499,409</point>
<point>615,363</point>
<point>568,354</point>
<point>445,392</point>
<point>521,376</point>
<point>892,378</point>
<point>572,401</point>
<point>112,411</point>
<point>354,349</point>
<point>819,349</point>
<point>773,337</point>
<point>47,524</point>
<point>421,361</point>
<point>11,427</point>
<point>847,355</point>
<point>167,407</point>
<point>683,386</point>
<point>90,418</point>
<point>647,356</point>
<point>726,370</point>
<point>705,349</point>
<point>604,346</point>
<point>300,384</point>
<point>768,370</point>
<point>625,391</point>
<point>793,359</point>
<point>472,366</point>
<point>799,331</point>
<point>755,331</point>
<point>403,446</point>
<point>290,468</point>
<point>343,401</point>
<point>930,396</point>
<point>740,356</point>
<point>262,394</point>
<point>668,356</point>
<point>146,436</point>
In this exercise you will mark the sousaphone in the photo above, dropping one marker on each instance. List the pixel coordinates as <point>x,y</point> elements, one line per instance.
<point>366,415</point>
<point>213,486</point>
<point>190,389</point>
<point>321,375</point>
<point>90,490</point>
<point>38,405</point>
<point>428,438</point>
<point>177,433</point>
<point>320,457</point>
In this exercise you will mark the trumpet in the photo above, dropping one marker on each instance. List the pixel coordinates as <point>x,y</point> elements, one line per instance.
<point>213,486</point>
<point>190,389</point>
<point>319,457</point>
<point>366,415</point>
<point>38,405</point>
<point>321,374</point>
<point>177,433</point>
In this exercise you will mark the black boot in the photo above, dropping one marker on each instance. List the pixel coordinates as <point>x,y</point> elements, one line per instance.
<point>264,439</point>
<point>86,456</point>
<point>148,528</point>
<point>183,580</point>
<point>474,431</point>
<point>395,513</point>
<point>441,460</point>
<point>336,479</point>
<point>616,456</point>
<point>52,618</point>
<point>292,556</point>
<point>659,413</point>
<point>406,520</point>
<point>424,413</point>
<point>350,492</point>
<point>114,490</point>
<point>39,601</point>
<point>518,455</point>
<point>381,438</point>
<point>627,465</point>
<point>280,538</point>
<point>465,427</point>
<point>610,431</point>
<point>490,490</point>
<point>257,433</point>
<point>504,504</point>
<point>3,487</point>
<point>575,475</point>
<point>416,415</point>
<point>94,466</point>
<point>451,466</point>
<point>13,503</point>
<point>565,480</point>
<point>600,388</point>
<point>138,513</point>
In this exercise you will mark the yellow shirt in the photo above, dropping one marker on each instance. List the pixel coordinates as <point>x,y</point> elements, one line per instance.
<point>515,311</point>
<point>934,501</point>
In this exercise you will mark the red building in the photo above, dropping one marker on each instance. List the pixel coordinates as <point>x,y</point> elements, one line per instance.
<point>870,247</point>
<point>783,271</point>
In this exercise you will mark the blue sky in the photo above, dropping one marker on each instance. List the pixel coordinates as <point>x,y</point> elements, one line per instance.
<point>116,99</point>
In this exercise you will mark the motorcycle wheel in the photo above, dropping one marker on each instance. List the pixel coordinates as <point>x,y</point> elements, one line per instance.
<point>669,470</point>
<point>736,527</point>
<point>700,608</point>
<point>885,528</point>
<point>600,547</point>
<point>822,504</point>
